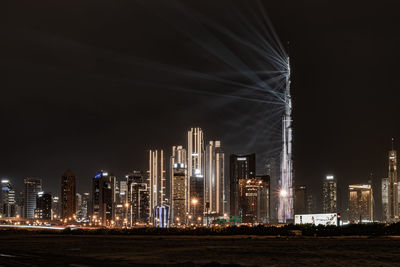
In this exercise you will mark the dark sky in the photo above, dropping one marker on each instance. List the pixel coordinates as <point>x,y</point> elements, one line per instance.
<point>84,86</point>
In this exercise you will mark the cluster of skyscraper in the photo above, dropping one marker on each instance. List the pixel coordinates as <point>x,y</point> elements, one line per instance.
<point>190,187</point>
<point>360,200</point>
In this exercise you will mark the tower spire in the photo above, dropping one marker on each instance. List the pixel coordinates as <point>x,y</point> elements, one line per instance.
<point>392,143</point>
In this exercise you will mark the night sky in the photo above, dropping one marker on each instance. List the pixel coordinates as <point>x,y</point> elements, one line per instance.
<point>83,87</point>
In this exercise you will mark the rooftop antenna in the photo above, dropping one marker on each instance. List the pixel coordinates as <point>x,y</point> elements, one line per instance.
<point>392,143</point>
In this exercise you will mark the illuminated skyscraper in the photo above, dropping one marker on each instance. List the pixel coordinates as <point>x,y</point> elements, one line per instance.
<point>78,204</point>
<point>254,199</point>
<point>393,202</point>
<point>241,167</point>
<point>385,199</point>
<point>85,206</point>
<point>32,187</point>
<point>55,207</point>
<point>285,209</point>
<point>156,178</point>
<point>138,198</point>
<point>329,194</point>
<point>103,197</point>
<point>7,200</point>
<point>360,203</point>
<point>68,195</point>
<point>123,192</point>
<point>179,179</point>
<point>196,168</point>
<point>43,206</point>
<point>215,178</point>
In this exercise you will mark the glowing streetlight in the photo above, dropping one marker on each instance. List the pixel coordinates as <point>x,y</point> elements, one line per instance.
<point>283,193</point>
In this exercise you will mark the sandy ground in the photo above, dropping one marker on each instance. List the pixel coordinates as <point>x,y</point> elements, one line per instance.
<point>71,250</point>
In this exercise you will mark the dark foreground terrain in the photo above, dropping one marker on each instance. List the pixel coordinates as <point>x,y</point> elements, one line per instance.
<point>106,250</point>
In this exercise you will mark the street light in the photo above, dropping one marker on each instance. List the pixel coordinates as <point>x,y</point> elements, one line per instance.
<point>283,193</point>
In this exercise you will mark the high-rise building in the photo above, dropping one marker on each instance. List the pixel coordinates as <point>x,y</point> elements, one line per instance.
<point>179,179</point>
<point>7,199</point>
<point>360,203</point>
<point>254,199</point>
<point>32,186</point>
<point>138,198</point>
<point>215,179</point>
<point>123,192</point>
<point>78,199</point>
<point>68,195</point>
<point>195,190</point>
<point>103,197</point>
<point>156,178</point>
<point>19,204</point>
<point>241,167</point>
<point>329,194</point>
<point>311,204</point>
<point>55,208</point>
<point>385,199</point>
<point>273,170</point>
<point>393,193</point>
<point>43,206</point>
<point>285,207</point>
<point>300,199</point>
<point>85,206</point>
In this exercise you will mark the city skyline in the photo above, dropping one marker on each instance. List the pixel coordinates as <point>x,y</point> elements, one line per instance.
<point>100,139</point>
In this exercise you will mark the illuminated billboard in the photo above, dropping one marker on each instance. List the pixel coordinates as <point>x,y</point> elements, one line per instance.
<point>316,219</point>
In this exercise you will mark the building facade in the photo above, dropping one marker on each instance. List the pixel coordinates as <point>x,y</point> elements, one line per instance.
<point>196,168</point>
<point>360,203</point>
<point>43,206</point>
<point>329,194</point>
<point>68,195</point>
<point>241,167</point>
<point>300,199</point>
<point>7,199</point>
<point>103,197</point>
<point>393,193</point>
<point>156,178</point>
<point>32,186</point>
<point>138,198</point>
<point>254,199</point>
<point>178,167</point>
<point>215,179</point>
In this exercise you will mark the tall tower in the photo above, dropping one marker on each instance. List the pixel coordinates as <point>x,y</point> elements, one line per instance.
<point>393,207</point>
<point>156,179</point>
<point>241,167</point>
<point>7,199</point>
<point>178,176</point>
<point>285,209</point>
<point>32,187</point>
<point>215,178</point>
<point>361,203</point>
<point>385,199</point>
<point>195,192</point>
<point>68,195</point>
<point>329,194</point>
<point>103,197</point>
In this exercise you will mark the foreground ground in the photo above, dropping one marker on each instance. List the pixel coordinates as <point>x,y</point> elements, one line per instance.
<point>72,250</point>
